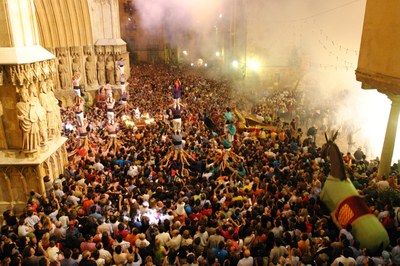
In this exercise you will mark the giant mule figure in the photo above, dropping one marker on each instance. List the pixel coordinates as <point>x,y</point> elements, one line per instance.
<point>347,206</point>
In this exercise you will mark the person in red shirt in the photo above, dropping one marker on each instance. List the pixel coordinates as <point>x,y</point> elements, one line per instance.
<point>195,215</point>
<point>121,231</point>
<point>87,202</point>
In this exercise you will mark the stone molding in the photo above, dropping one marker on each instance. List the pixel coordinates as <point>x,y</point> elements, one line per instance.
<point>381,82</point>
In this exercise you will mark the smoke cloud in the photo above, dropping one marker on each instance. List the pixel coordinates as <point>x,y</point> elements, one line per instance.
<point>325,34</point>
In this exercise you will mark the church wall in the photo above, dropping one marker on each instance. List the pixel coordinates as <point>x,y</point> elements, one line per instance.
<point>378,60</point>
<point>5,40</point>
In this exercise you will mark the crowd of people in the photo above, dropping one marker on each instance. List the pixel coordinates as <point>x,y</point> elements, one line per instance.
<point>154,194</point>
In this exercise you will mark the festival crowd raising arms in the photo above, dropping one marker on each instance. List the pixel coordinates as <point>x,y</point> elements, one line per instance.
<point>198,193</point>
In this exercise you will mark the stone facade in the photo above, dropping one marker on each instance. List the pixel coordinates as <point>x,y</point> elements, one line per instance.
<point>43,43</point>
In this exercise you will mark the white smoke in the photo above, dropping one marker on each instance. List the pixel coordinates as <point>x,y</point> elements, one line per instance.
<point>327,34</point>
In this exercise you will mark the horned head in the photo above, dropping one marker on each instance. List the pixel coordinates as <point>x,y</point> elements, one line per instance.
<point>329,143</point>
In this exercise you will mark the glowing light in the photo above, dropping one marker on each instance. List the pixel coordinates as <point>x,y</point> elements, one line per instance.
<point>149,121</point>
<point>185,52</point>
<point>217,54</point>
<point>191,64</point>
<point>220,15</point>
<point>129,19</point>
<point>128,121</point>
<point>235,64</point>
<point>125,117</point>
<point>205,64</point>
<point>200,62</point>
<point>373,126</point>
<point>253,65</point>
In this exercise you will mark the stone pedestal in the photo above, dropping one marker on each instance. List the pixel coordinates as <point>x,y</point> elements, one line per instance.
<point>19,175</point>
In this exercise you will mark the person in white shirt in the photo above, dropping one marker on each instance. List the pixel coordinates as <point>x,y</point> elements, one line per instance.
<point>142,242</point>
<point>125,245</point>
<point>104,227</point>
<point>58,191</point>
<point>32,218</point>
<point>24,228</point>
<point>175,243</point>
<point>163,236</point>
<point>53,251</point>
<point>73,199</point>
<point>346,258</point>
<point>103,253</point>
<point>98,166</point>
<point>247,259</point>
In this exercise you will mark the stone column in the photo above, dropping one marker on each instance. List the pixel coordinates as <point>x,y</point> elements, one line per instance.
<point>390,137</point>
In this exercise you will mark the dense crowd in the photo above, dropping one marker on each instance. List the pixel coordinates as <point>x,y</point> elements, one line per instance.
<point>124,200</point>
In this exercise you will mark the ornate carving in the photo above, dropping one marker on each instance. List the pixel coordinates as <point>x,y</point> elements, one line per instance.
<point>90,70</point>
<point>50,104</point>
<point>76,65</point>
<point>26,74</point>
<point>40,111</point>
<point>37,71</point>
<point>45,68</point>
<point>100,50</point>
<point>101,67</point>
<point>61,51</point>
<point>110,66</point>
<point>87,50</point>
<point>109,49</point>
<point>63,73</point>
<point>28,122</point>
<point>117,50</point>
<point>75,51</point>
<point>53,67</point>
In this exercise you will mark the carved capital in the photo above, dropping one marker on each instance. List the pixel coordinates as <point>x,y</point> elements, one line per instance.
<point>100,50</point>
<point>117,49</point>
<point>61,51</point>
<point>87,50</point>
<point>75,51</point>
<point>109,49</point>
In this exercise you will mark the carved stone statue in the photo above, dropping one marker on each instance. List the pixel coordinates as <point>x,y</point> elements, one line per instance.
<point>49,105</point>
<point>63,72</point>
<point>76,66</point>
<point>53,69</point>
<point>29,72</point>
<point>21,74</point>
<point>40,111</point>
<point>110,70</point>
<point>57,114</point>
<point>28,122</point>
<point>101,76</point>
<point>46,69</point>
<point>37,71</point>
<point>117,73</point>
<point>90,72</point>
